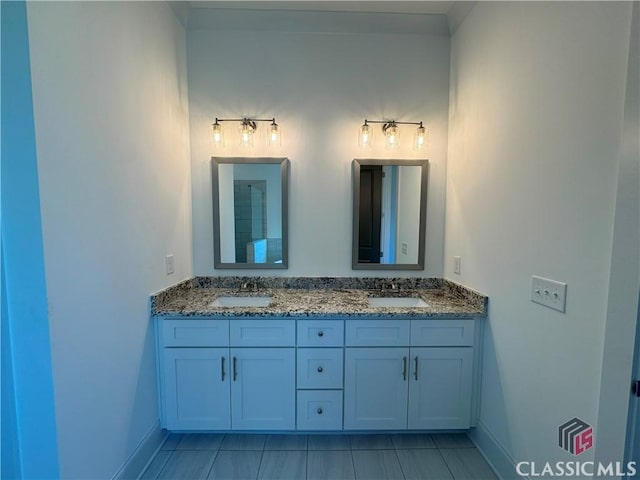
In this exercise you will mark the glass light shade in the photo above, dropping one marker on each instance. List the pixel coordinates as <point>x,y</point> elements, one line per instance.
<point>420,138</point>
<point>218,135</point>
<point>275,135</point>
<point>246,135</point>
<point>392,133</point>
<point>365,136</point>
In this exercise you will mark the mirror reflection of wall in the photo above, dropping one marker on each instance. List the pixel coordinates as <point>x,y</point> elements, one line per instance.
<point>389,219</point>
<point>249,207</point>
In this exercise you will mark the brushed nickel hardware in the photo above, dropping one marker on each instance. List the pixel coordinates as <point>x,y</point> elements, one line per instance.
<point>385,286</point>
<point>249,287</point>
<point>404,368</point>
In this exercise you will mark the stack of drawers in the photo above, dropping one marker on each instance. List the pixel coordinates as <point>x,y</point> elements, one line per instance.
<point>320,367</point>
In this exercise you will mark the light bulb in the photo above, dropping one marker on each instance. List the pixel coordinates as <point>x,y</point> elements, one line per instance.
<point>218,135</point>
<point>275,136</point>
<point>246,133</point>
<point>421,137</point>
<point>365,136</point>
<point>392,136</point>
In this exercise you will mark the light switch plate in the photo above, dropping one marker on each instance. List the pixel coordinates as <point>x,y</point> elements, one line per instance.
<point>550,293</point>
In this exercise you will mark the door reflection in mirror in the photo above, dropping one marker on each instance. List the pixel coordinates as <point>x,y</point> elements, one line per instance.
<point>249,203</point>
<point>389,214</point>
<point>250,220</point>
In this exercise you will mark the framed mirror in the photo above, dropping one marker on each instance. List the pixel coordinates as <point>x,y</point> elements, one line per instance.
<point>250,212</point>
<point>389,214</point>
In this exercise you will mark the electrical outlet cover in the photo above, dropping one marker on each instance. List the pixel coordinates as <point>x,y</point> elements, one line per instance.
<point>456,264</point>
<point>170,267</point>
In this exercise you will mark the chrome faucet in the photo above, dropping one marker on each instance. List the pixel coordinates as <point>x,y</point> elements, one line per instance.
<point>249,287</point>
<point>388,286</point>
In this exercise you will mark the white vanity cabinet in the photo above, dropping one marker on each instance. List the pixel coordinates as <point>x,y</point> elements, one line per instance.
<point>320,374</point>
<point>407,384</point>
<point>194,374</point>
<point>440,388</point>
<point>263,389</point>
<point>216,375</point>
<point>263,374</point>
<point>375,394</point>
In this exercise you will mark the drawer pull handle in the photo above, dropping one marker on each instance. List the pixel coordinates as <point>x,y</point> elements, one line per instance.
<point>320,411</point>
<point>415,373</point>
<point>320,333</point>
<point>320,369</point>
<point>235,368</point>
<point>404,368</point>
<point>222,373</point>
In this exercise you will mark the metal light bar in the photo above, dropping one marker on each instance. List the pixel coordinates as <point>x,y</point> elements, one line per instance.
<point>390,130</point>
<point>247,127</point>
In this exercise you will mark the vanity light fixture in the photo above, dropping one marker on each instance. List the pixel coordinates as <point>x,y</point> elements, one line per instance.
<point>391,133</point>
<point>248,127</point>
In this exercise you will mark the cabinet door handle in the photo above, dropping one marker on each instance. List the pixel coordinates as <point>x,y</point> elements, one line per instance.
<point>320,333</point>
<point>415,373</point>
<point>404,368</point>
<point>320,369</point>
<point>222,373</point>
<point>235,368</point>
<point>319,411</point>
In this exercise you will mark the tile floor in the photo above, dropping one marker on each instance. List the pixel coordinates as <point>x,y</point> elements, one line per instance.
<point>318,457</point>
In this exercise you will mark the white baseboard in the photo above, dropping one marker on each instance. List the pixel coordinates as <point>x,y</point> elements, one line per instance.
<point>494,453</point>
<point>133,467</point>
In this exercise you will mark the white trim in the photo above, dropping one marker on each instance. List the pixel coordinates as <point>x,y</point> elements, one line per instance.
<point>498,458</point>
<point>292,21</point>
<point>143,454</point>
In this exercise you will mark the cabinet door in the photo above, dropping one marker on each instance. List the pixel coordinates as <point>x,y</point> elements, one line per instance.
<point>375,392</point>
<point>263,389</point>
<point>440,388</point>
<point>195,389</point>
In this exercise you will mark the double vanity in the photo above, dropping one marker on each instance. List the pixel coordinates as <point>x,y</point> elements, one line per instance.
<point>318,354</point>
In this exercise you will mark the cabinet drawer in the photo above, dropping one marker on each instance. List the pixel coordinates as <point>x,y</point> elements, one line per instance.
<point>442,333</point>
<point>377,333</point>
<point>320,333</point>
<point>194,333</point>
<point>320,410</point>
<point>320,368</point>
<point>262,333</point>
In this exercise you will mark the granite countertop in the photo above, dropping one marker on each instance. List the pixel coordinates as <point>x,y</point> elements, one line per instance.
<point>326,297</point>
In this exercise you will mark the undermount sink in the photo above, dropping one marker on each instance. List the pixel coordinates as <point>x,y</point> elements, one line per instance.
<point>241,302</point>
<point>397,302</point>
